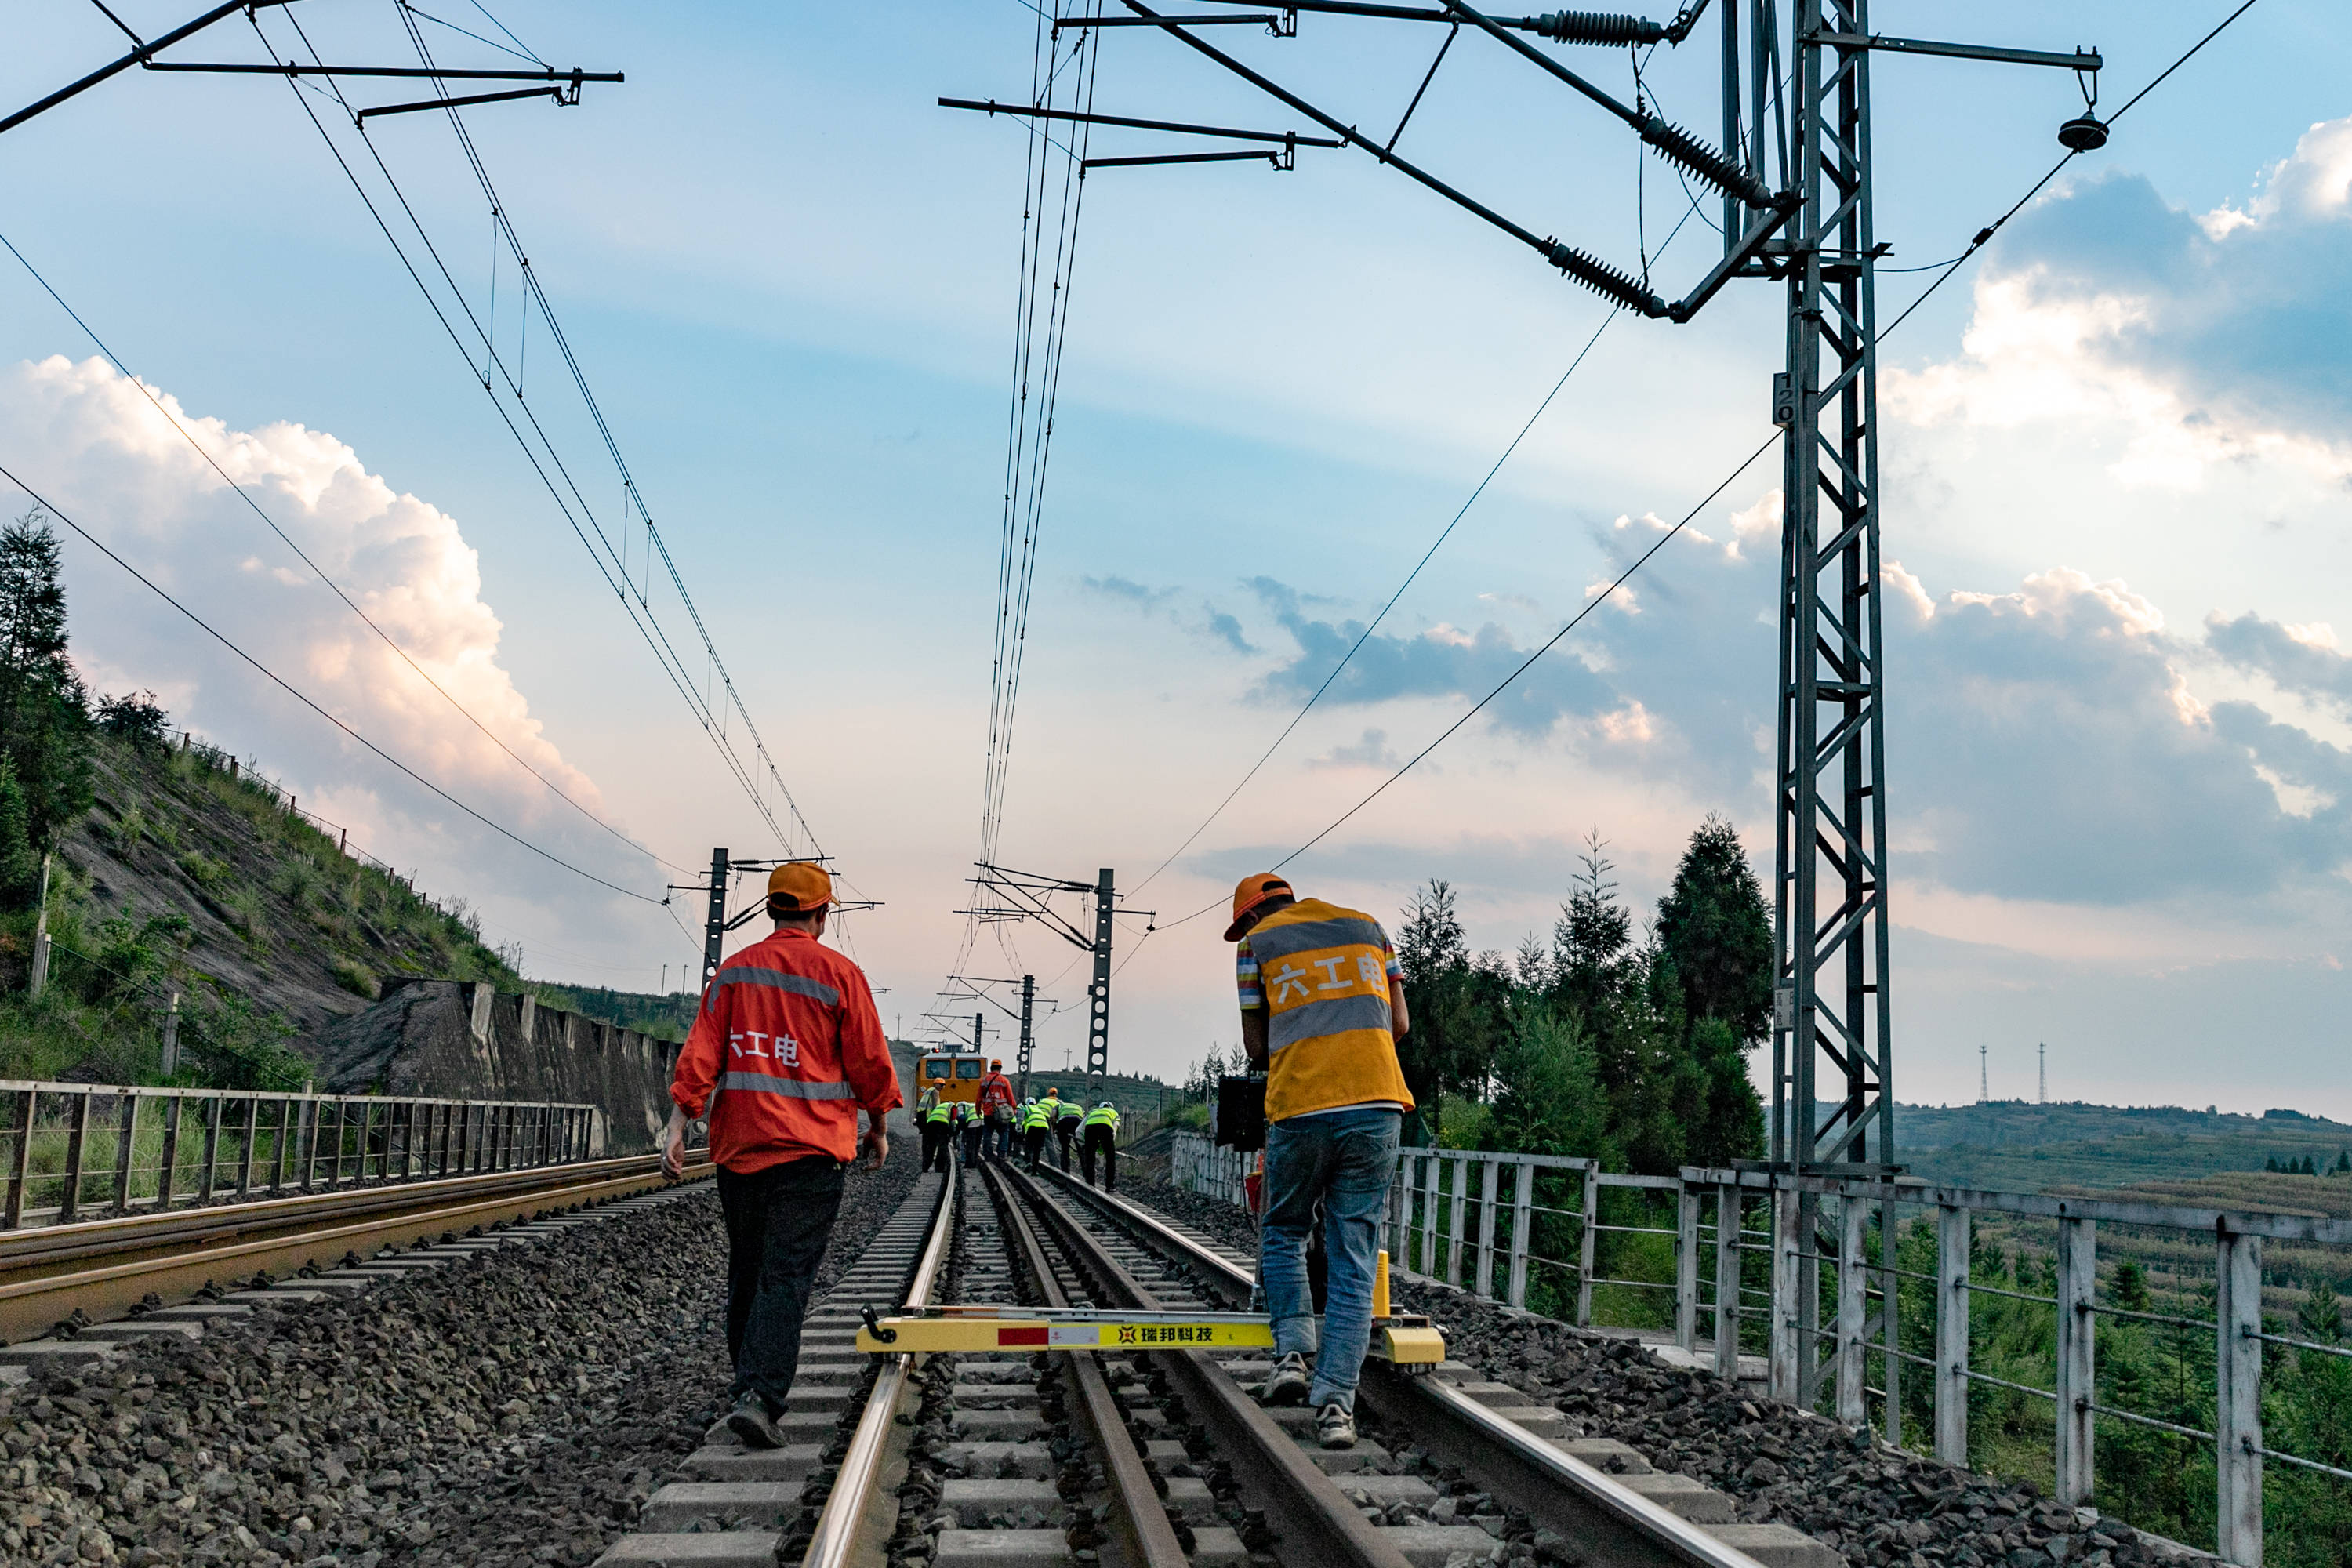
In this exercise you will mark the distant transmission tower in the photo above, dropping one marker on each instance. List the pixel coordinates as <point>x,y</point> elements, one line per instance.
<point>1984,1078</point>
<point>2042,1051</point>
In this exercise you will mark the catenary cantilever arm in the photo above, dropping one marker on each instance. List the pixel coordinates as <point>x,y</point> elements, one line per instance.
<point>1595,275</point>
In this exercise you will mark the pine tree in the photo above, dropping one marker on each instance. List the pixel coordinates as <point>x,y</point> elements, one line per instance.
<point>1713,925</point>
<point>45,726</point>
<point>1590,941</point>
<point>32,616</point>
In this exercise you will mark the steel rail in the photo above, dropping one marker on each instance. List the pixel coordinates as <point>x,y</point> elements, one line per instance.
<point>1611,1523</point>
<point>833,1541</point>
<point>1139,1520</point>
<point>1317,1522</point>
<point>32,1306</point>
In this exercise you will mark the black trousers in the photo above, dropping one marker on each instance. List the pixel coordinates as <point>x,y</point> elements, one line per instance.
<point>935,1139</point>
<point>1033,1140</point>
<point>778,1221</point>
<point>1062,1130</point>
<point>972,1134</point>
<point>1100,1140</point>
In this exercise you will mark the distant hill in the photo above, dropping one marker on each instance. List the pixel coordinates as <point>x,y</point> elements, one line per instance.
<point>2020,1145</point>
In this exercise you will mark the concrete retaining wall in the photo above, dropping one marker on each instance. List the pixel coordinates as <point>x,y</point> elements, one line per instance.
<point>461,1039</point>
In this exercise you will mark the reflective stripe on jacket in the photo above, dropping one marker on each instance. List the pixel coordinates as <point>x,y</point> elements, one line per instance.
<point>1072,1110</point>
<point>996,1089</point>
<point>1103,1116</point>
<point>1323,973</point>
<point>940,1113</point>
<point>1040,1115</point>
<point>785,1049</point>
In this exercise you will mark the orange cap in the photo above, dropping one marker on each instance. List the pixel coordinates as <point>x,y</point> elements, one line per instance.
<point>801,884</point>
<point>1250,892</point>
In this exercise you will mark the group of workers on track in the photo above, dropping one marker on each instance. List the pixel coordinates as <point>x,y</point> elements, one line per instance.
<point>985,1128</point>
<point>787,1052</point>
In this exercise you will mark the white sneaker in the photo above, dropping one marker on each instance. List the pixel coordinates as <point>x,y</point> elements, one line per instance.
<point>1335,1427</point>
<point>1288,1383</point>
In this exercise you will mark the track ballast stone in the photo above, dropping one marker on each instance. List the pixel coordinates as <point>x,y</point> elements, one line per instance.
<point>516,1407</point>
<point>1876,1505</point>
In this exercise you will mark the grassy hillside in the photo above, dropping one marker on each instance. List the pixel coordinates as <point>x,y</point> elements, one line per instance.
<point>185,876</point>
<point>2019,1145</point>
<point>663,1017</point>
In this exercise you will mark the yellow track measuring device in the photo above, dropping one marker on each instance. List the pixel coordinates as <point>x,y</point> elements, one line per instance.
<point>1405,1339</point>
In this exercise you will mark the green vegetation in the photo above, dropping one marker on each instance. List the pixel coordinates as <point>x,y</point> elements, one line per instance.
<point>663,1017</point>
<point>45,722</point>
<point>217,891</point>
<point>1596,1046</point>
<point>2022,1146</point>
<point>2164,1371</point>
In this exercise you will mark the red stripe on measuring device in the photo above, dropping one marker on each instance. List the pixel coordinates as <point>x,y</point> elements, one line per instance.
<point>1033,1336</point>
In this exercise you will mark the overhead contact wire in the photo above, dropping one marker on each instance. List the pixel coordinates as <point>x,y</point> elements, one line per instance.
<point>282,684</point>
<point>246,496</point>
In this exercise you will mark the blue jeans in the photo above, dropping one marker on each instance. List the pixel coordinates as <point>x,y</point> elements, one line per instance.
<point>1346,1160</point>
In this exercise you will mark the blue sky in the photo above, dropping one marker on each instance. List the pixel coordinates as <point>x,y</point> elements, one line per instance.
<point>2117,451</point>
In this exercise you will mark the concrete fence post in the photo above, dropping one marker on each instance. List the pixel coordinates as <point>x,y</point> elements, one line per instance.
<point>172,1036</point>
<point>1585,1244</point>
<point>1430,1172</point>
<point>20,1159</point>
<point>2077,1381</point>
<point>1728,1225</point>
<point>1952,1335</point>
<point>169,1156</point>
<point>2238,1398</point>
<point>1461,1222</point>
<point>1852,1307</point>
<point>1686,1266</point>
<point>1522,1215</point>
<point>126,1137</point>
<point>40,980</point>
<point>478,1010</point>
<point>1489,1173</point>
<point>1782,1351</point>
<point>1888,1324</point>
<point>208,1180</point>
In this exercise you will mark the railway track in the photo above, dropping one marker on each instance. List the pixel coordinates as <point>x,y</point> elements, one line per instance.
<point>1037,1459</point>
<point>95,1274</point>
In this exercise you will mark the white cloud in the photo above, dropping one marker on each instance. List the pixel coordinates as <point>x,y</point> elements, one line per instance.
<point>95,445</point>
<point>2175,343</point>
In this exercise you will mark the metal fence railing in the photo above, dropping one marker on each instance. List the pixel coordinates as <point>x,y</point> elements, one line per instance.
<point>73,1150</point>
<point>1813,1264</point>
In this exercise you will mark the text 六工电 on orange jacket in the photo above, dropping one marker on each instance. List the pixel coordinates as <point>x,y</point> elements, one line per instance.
<point>788,1038</point>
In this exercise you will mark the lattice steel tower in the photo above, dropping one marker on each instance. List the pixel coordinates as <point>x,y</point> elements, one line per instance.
<point>1830,1004</point>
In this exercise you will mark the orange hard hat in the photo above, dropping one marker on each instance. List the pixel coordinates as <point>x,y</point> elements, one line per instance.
<point>1250,892</point>
<point>801,884</point>
<point>996,1065</point>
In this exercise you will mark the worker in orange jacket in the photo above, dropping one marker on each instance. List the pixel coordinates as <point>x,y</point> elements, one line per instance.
<point>785,1051</point>
<point>996,1101</point>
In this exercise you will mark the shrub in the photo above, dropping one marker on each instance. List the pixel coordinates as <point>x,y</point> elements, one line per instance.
<point>128,830</point>
<point>353,976</point>
<point>299,880</point>
<point>204,870</point>
<point>136,718</point>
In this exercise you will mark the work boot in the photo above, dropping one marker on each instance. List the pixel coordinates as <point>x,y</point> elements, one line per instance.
<point>756,1425</point>
<point>1287,1382</point>
<point>1335,1427</point>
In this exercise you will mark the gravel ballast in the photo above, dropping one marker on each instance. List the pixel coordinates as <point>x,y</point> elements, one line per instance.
<point>1876,1505</point>
<point>516,1407</point>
